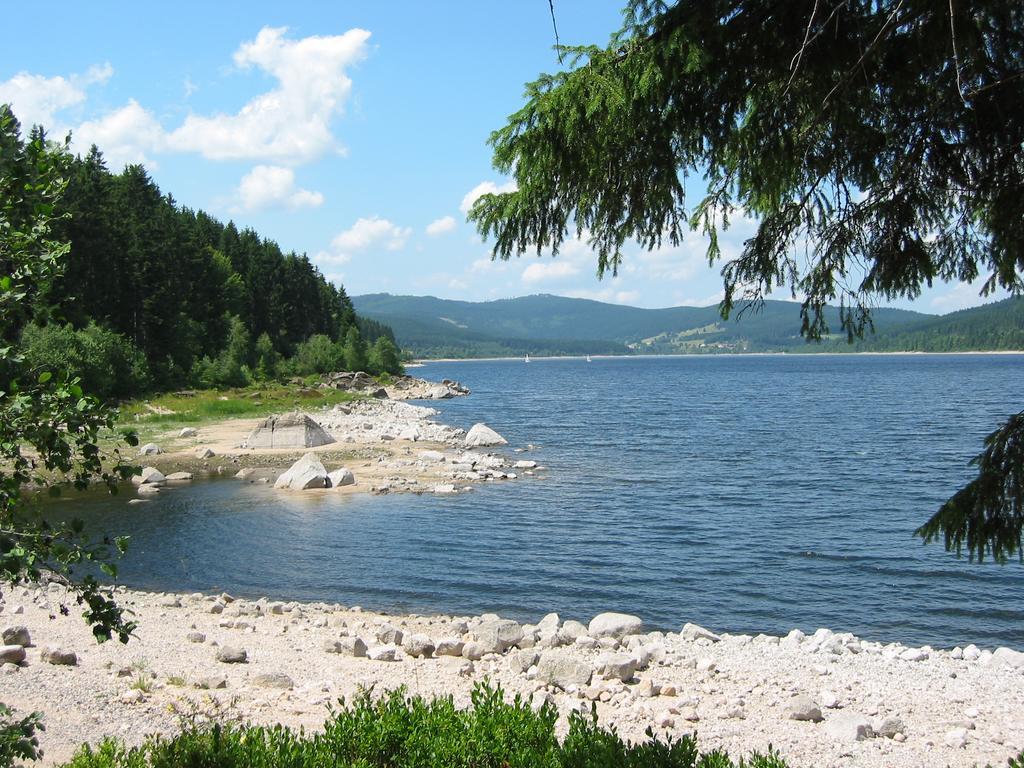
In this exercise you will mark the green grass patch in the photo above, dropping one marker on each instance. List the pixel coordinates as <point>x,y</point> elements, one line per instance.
<point>397,731</point>
<point>195,408</point>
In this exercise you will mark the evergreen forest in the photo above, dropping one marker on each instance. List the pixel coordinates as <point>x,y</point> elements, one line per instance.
<point>153,295</point>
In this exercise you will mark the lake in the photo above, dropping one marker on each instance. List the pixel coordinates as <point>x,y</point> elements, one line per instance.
<point>744,493</point>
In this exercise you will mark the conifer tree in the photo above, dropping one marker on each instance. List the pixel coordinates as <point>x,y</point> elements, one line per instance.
<point>876,144</point>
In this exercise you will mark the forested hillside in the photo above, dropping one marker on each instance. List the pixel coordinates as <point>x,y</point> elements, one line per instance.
<point>155,295</point>
<point>432,327</point>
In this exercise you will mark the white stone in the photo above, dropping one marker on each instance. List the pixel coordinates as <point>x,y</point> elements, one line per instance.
<point>849,726</point>
<point>340,477</point>
<point>480,435</point>
<point>305,473</point>
<point>149,476</point>
<point>804,708</point>
<point>616,625</point>
<point>150,449</point>
<point>383,653</point>
<point>418,646</point>
<point>697,632</point>
<point>188,432</point>
<point>914,654</point>
<point>563,670</point>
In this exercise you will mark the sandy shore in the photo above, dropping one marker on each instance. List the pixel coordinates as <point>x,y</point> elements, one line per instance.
<point>924,707</point>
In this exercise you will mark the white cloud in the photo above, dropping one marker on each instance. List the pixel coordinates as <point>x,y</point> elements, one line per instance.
<point>441,226</point>
<point>607,295</point>
<point>366,233</point>
<point>683,300</point>
<point>544,271</point>
<point>267,186</point>
<point>36,99</point>
<point>484,188</point>
<point>962,296</point>
<point>125,135</point>
<point>290,124</point>
<point>457,285</point>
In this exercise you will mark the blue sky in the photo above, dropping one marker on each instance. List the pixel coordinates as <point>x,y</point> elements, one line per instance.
<point>352,131</point>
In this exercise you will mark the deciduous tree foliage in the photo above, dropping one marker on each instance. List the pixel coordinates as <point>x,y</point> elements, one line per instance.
<point>48,427</point>
<point>877,144</point>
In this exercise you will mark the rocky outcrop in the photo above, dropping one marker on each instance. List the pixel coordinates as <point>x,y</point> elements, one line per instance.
<point>293,430</point>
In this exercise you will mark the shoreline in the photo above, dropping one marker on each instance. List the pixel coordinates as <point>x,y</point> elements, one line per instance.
<point>739,692</point>
<point>389,445</point>
<point>420,362</point>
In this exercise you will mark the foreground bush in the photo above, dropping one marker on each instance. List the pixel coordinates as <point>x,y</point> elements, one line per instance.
<point>401,732</point>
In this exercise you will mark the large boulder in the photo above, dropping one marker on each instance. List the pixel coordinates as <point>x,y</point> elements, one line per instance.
<point>150,449</point>
<point>480,435</point>
<point>305,473</point>
<point>340,477</point>
<point>563,671</point>
<point>149,476</point>
<point>498,636</point>
<point>18,635</point>
<point>12,654</point>
<point>293,430</point>
<point>616,625</point>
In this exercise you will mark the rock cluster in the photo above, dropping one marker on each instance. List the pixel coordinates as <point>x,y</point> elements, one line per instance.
<point>822,699</point>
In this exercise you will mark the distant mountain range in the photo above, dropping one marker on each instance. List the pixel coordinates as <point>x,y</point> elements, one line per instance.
<point>554,325</point>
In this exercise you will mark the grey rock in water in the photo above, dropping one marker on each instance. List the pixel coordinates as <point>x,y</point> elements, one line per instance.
<point>340,477</point>
<point>292,430</point>
<point>179,477</point>
<point>228,654</point>
<point>149,476</point>
<point>59,656</point>
<point>616,625</point>
<point>305,473</point>
<point>17,635</point>
<point>481,436</point>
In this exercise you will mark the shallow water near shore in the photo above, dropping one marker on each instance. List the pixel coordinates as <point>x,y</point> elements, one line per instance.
<point>747,494</point>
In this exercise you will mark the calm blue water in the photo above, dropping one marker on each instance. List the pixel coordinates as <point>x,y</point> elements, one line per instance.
<point>751,494</point>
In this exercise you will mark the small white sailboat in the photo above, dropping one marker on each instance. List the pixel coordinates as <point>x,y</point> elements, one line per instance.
<point>527,359</point>
<point>588,359</point>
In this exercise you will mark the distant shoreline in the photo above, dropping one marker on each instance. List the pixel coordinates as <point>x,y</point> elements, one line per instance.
<point>424,360</point>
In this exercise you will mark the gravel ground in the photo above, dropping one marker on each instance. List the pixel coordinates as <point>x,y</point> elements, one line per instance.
<point>738,692</point>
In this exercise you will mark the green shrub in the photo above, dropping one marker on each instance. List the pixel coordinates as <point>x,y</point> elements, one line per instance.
<point>18,739</point>
<point>400,732</point>
<point>108,364</point>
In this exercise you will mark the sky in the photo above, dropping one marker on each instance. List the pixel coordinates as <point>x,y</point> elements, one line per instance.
<point>352,131</point>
